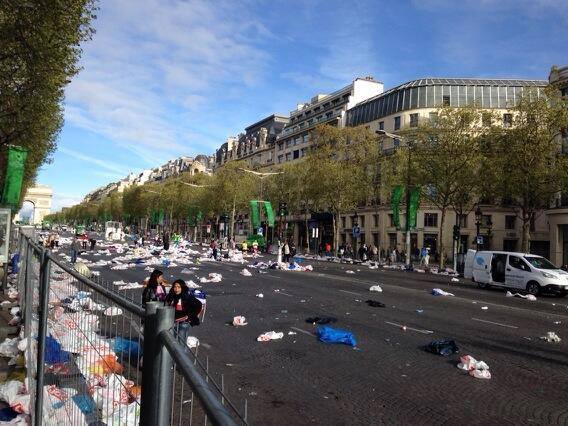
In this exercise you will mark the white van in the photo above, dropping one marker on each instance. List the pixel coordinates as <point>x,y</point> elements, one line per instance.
<point>516,271</point>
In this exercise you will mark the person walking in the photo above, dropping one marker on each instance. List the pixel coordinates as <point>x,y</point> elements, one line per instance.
<point>214,249</point>
<point>327,250</point>
<point>154,291</point>
<point>166,241</point>
<point>423,253</point>
<point>187,308</point>
<point>75,247</point>
<point>93,242</point>
<point>244,246</point>
<point>286,252</point>
<point>375,252</point>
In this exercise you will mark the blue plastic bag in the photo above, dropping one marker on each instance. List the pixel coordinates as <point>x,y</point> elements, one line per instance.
<point>126,347</point>
<point>53,352</point>
<point>334,335</point>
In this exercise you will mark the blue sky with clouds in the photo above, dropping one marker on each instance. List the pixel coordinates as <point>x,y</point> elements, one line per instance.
<point>165,78</point>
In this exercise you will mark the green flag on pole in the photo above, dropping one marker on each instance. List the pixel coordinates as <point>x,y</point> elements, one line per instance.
<point>413,207</point>
<point>269,213</point>
<point>14,175</point>
<point>254,214</point>
<point>396,196</point>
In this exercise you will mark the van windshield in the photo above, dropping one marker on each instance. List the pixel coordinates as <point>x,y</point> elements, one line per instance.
<point>540,262</point>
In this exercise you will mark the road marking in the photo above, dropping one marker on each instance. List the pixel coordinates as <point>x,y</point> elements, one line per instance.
<point>410,328</point>
<point>205,345</point>
<point>303,331</point>
<point>351,292</point>
<point>285,294</point>
<point>496,323</point>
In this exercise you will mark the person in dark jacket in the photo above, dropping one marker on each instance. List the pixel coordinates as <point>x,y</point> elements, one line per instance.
<point>154,291</point>
<point>187,309</point>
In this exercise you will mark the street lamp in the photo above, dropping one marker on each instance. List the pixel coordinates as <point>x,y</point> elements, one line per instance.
<point>392,135</point>
<point>478,217</point>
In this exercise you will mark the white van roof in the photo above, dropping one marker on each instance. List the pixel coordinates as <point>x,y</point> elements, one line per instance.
<point>515,253</point>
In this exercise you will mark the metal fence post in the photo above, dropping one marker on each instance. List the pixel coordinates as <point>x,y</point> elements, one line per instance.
<point>157,373</point>
<point>42,332</point>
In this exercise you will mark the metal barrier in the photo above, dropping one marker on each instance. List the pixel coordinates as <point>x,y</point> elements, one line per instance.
<point>87,365</point>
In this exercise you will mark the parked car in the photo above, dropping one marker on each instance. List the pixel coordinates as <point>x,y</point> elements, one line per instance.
<point>519,271</point>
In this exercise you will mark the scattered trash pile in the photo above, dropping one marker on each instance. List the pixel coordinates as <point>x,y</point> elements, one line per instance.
<point>529,297</point>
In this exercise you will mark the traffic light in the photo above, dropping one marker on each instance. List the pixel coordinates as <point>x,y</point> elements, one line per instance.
<point>456,232</point>
<point>282,208</point>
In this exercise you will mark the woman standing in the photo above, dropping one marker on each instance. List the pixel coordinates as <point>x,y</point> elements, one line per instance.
<point>187,309</point>
<point>154,290</point>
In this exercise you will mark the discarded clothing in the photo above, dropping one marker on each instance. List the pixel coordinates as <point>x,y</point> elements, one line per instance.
<point>113,311</point>
<point>551,337</point>
<point>239,320</point>
<point>375,303</point>
<point>442,347</point>
<point>321,320</point>
<point>245,272</point>
<point>530,297</point>
<point>334,335</point>
<point>376,288</point>
<point>440,292</point>
<point>269,335</point>
<point>477,369</point>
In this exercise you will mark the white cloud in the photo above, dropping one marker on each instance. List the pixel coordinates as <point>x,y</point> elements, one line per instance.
<point>103,164</point>
<point>60,200</point>
<point>150,60</point>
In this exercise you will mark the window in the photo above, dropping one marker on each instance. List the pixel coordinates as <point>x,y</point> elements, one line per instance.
<point>486,220</point>
<point>269,155</point>
<point>397,123</point>
<point>288,156</point>
<point>354,221</point>
<point>381,125</point>
<point>280,158</point>
<point>328,114</point>
<point>288,143</point>
<point>362,221</point>
<point>392,240</point>
<point>376,220</point>
<point>507,120</point>
<point>446,100</point>
<point>343,222</point>
<point>564,91</point>
<point>296,154</point>
<point>510,221</point>
<point>391,220</point>
<point>433,117</point>
<point>518,263</point>
<point>414,120</point>
<point>462,220</point>
<point>486,119</point>
<point>431,219</point>
<point>376,239</point>
<point>306,138</point>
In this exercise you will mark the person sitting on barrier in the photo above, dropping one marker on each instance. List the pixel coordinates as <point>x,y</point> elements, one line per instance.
<point>187,309</point>
<point>154,290</point>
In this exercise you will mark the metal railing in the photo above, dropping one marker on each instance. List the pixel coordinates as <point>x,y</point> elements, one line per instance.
<point>102,358</point>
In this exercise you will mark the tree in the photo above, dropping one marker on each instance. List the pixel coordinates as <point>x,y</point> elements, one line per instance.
<point>528,160</point>
<point>337,170</point>
<point>40,42</point>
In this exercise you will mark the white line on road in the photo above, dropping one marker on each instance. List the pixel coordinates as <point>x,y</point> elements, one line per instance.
<point>496,323</point>
<point>351,292</point>
<point>410,328</point>
<point>205,345</point>
<point>303,331</point>
<point>285,294</point>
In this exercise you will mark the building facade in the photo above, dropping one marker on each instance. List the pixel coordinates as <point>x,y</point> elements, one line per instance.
<point>294,141</point>
<point>255,145</point>
<point>557,216</point>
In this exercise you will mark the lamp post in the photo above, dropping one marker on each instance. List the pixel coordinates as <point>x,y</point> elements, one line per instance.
<point>478,217</point>
<point>392,135</point>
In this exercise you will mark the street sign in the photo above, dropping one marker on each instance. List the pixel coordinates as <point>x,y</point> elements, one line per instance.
<point>356,231</point>
<point>479,239</point>
<point>259,231</point>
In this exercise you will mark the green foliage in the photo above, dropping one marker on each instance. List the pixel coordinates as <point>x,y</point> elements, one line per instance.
<point>40,51</point>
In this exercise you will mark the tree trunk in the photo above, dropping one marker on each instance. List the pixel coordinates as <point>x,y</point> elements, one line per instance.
<point>441,250</point>
<point>232,230</point>
<point>307,234</point>
<point>526,237</point>
<point>336,222</point>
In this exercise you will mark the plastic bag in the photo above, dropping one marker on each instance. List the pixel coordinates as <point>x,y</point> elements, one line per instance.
<point>245,272</point>
<point>442,347</point>
<point>376,288</point>
<point>334,335</point>
<point>126,347</point>
<point>239,320</point>
<point>269,335</point>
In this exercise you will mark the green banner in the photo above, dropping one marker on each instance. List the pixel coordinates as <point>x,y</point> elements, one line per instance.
<point>413,207</point>
<point>396,196</point>
<point>14,175</point>
<point>269,213</point>
<point>254,214</point>
<point>155,217</point>
<point>161,217</point>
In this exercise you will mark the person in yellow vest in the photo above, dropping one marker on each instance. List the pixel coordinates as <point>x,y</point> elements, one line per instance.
<point>244,247</point>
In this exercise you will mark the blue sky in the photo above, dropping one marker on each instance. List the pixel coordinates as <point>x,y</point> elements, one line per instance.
<point>165,78</point>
